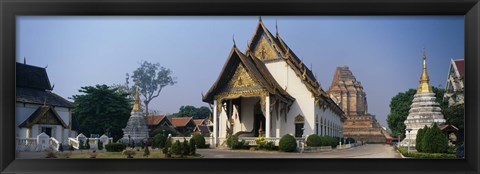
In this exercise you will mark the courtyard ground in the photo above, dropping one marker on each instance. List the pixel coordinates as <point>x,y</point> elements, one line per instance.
<point>365,151</point>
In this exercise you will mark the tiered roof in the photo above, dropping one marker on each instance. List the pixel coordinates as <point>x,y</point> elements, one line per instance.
<point>255,68</point>
<point>33,86</point>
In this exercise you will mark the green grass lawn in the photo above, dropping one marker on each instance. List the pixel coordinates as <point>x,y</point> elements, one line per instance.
<point>115,155</point>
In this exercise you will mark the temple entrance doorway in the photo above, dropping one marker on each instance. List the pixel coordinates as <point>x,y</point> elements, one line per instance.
<point>299,122</point>
<point>47,130</point>
<point>259,120</point>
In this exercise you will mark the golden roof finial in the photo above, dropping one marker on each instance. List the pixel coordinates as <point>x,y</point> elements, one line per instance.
<point>233,38</point>
<point>276,27</point>
<point>137,105</point>
<point>424,86</point>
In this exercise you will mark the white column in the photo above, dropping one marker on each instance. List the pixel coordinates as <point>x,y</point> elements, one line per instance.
<point>267,117</point>
<point>277,124</point>
<point>215,124</point>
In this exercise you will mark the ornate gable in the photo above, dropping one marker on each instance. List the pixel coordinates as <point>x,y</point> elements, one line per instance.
<point>263,49</point>
<point>241,78</point>
<point>43,115</point>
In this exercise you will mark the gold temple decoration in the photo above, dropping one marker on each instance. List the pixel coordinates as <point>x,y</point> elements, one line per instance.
<point>137,105</point>
<point>264,51</point>
<point>241,78</point>
<point>424,86</point>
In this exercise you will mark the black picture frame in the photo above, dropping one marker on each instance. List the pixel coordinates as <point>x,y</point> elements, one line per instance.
<point>10,8</point>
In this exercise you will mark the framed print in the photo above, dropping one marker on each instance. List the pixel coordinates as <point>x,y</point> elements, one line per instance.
<point>278,86</point>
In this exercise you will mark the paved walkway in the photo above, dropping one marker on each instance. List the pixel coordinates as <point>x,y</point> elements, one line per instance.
<point>365,151</point>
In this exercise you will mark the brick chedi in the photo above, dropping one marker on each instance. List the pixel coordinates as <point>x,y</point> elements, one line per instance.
<point>349,95</point>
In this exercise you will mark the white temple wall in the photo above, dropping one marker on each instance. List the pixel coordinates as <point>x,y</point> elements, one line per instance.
<point>23,111</point>
<point>21,132</point>
<point>333,122</point>
<point>304,101</point>
<point>63,113</point>
<point>222,124</point>
<point>247,114</point>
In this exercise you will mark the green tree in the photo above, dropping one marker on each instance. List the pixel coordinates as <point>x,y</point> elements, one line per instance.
<point>418,140</point>
<point>102,110</point>
<point>455,115</point>
<point>434,141</point>
<point>192,111</point>
<point>400,106</point>
<point>152,78</point>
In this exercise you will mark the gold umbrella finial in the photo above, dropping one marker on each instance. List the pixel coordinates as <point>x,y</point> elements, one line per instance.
<point>136,105</point>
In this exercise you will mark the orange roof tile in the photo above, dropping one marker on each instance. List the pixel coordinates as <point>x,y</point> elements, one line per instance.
<point>180,121</point>
<point>154,119</point>
<point>198,121</point>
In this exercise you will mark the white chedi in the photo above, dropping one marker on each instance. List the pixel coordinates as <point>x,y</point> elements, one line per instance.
<point>424,111</point>
<point>136,129</point>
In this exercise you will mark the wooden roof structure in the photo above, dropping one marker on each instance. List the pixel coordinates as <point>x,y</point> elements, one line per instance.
<point>33,86</point>
<point>43,115</point>
<point>255,68</point>
<point>284,52</point>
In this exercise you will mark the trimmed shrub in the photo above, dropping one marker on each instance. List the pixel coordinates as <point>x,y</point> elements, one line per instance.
<point>100,145</point>
<point>434,141</point>
<point>439,143</point>
<point>419,139</point>
<point>242,145</point>
<point>146,152</point>
<point>185,147</point>
<point>176,148</point>
<point>313,140</point>
<point>199,141</point>
<point>60,148</point>
<point>232,141</point>
<point>192,146</point>
<point>159,141</point>
<point>261,141</point>
<point>115,147</point>
<point>129,153</point>
<point>168,145</point>
<point>81,145</point>
<point>50,154</point>
<point>87,145</point>
<point>288,143</point>
<point>71,148</point>
<point>269,146</point>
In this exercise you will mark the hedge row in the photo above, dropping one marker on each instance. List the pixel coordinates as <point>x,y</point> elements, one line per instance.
<point>315,141</point>
<point>115,147</point>
<point>405,153</point>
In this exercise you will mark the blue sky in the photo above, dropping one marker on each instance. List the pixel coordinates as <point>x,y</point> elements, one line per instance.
<point>384,53</point>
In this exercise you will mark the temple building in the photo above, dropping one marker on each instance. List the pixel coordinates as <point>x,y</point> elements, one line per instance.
<point>39,110</point>
<point>136,129</point>
<point>348,93</point>
<point>424,109</point>
<point>268,91</point>
<point>454,89</point>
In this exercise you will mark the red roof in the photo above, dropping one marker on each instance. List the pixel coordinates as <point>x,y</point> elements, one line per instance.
<point>154,119</point>
<point>180,121</point>
<point>198,121</point>
<point>460,67</point>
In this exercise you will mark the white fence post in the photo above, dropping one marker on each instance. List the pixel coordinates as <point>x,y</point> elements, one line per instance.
<point>43,140</point>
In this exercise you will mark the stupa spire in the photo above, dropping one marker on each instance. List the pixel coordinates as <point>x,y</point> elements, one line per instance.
<point>136,105</point>
<point>424,85</point>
